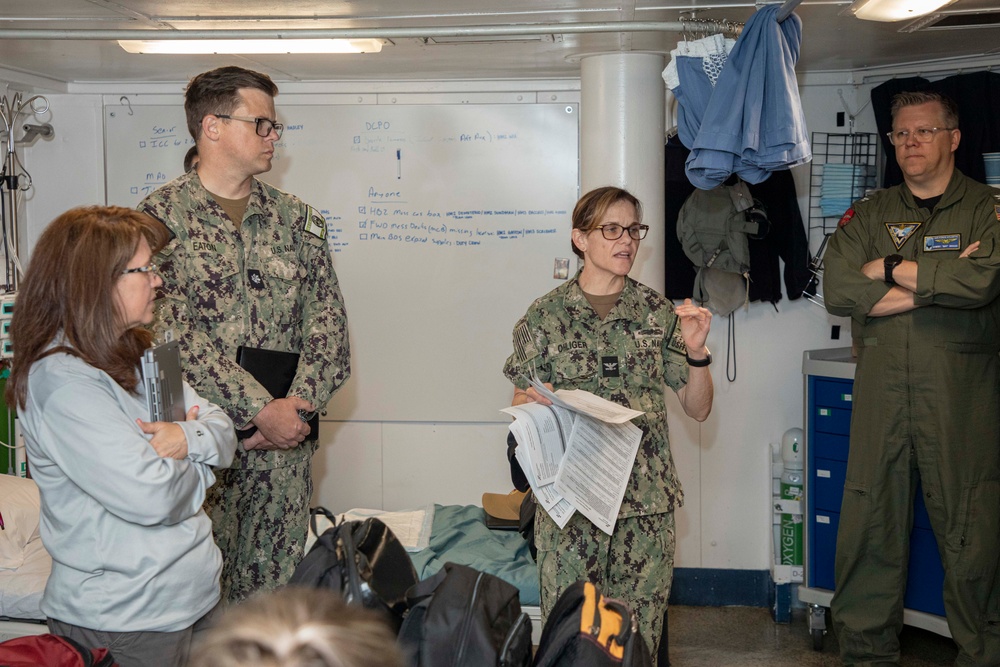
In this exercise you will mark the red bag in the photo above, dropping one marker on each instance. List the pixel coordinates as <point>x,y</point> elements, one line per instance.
<point>52,651</point>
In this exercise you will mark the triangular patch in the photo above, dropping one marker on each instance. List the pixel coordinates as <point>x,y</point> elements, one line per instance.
<point>900,231</point>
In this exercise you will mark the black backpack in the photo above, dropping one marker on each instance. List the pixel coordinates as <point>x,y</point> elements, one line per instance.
<point>364,561</point>
<point>586,629</point>
<point>462,617</point>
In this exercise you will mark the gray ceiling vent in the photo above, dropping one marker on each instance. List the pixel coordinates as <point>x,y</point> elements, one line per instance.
<point>955,21</point>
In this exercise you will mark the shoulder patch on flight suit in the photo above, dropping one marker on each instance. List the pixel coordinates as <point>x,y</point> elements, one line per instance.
<point>846,218</point>
<point>996,209</point>
<point>315,224</point>
<point>676,343</point>
<point>899,232</point>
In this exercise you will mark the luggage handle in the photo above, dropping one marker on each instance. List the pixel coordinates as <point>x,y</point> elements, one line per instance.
<point>619,606</point>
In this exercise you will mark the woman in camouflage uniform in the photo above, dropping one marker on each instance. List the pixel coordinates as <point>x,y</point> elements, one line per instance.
<point>605,333</point>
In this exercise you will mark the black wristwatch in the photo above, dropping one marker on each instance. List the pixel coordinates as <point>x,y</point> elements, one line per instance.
<point>700,363</point>
<point>891,262</point>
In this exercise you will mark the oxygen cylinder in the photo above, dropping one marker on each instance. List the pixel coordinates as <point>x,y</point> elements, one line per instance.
<point>791,489</point>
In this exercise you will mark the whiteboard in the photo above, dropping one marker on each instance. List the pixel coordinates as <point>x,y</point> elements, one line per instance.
<point>445,222</point>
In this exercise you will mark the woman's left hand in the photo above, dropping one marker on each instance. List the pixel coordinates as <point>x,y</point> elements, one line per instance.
<point>168,439</point>
<point>695,324</point>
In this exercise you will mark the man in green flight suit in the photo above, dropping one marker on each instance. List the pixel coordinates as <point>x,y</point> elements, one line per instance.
<point>248,265</point>
<point>917,269</point>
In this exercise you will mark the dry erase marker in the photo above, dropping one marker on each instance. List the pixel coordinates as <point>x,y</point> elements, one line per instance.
<point>399,163</point>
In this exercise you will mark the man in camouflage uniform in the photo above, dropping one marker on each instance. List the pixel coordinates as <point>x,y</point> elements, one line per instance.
<point>917,269</point>
<point>622,346</point>
<point>249,265</point>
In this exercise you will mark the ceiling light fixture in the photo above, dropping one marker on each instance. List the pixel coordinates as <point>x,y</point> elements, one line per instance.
<point>251,46</point>
<point>895,10</point>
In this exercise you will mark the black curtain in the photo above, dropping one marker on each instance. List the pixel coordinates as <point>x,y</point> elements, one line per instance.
<point>977,95</point>
<point>786,239</point>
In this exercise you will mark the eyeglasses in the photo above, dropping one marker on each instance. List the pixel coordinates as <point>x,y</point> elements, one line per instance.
<point>614,231</point>
<point>149,268</point>
<point>264,125</point>
<point>923,135</point>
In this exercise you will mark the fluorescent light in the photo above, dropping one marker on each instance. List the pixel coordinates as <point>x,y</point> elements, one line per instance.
<point>251,46</point>
<point>895,10</point>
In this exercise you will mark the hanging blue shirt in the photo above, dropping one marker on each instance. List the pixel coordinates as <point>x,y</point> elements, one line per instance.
<point>754,123</point>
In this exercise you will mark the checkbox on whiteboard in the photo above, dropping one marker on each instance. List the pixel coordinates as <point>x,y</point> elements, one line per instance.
<point>363,224</point>
<point>363,237</point>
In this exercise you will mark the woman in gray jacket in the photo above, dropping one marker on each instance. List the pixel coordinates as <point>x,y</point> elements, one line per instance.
<point>135,568</point>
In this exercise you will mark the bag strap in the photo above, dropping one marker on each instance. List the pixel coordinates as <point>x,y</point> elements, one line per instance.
<point>345,535</point>
<point>313,511</point>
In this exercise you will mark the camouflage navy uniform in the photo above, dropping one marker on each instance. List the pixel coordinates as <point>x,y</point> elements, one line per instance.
<point>271,285</point>
<point>626,358</point>
<point>927,407</point>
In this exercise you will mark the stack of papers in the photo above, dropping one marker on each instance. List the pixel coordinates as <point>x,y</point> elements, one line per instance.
<point>843,184</point>
<point>576,453</point>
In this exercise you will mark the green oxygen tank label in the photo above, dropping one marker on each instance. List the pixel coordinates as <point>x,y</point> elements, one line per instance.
<point>791,524</point>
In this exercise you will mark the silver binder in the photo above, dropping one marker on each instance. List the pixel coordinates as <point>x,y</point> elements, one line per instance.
<point>161,377</point>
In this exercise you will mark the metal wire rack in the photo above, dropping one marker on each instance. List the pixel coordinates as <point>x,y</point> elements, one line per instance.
<point>832,189</point>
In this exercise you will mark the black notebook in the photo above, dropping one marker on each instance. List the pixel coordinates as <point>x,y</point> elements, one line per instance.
<point>275,371</point>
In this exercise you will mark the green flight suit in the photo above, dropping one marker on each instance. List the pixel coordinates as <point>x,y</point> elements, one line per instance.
<point>626,358</point>
<point>927,407</point>
<point>269,284</point>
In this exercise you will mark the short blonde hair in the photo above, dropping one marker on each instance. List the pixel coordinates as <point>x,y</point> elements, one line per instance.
<point>298,627</point>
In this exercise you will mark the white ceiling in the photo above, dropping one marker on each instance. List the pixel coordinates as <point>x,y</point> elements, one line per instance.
<point>833,40</point>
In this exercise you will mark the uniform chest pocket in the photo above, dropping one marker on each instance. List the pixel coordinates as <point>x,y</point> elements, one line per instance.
<point>284,268</point>
<point>574,369</point>
<point>219,286</point>
<point>284,279</point>
<point>645,358</point>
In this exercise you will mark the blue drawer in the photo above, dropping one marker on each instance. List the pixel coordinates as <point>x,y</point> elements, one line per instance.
<point>833,446</point>
<point>833,393</point>
<point>831,420</point>
<point>822,549</point>
<point>926,576</point>
<point>827,487</point>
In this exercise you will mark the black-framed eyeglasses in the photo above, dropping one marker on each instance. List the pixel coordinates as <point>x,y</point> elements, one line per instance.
<point>264,125</point>
<point>614,231</point>
<point>148,269</point>
<point>923,135</point>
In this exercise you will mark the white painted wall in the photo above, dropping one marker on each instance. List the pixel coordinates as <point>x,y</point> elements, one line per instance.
<point>723,463</point>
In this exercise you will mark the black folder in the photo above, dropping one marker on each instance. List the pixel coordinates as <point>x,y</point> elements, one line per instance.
<point>275,371</point>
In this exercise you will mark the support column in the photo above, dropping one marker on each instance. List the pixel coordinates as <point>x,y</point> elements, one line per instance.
<point>622,124</point>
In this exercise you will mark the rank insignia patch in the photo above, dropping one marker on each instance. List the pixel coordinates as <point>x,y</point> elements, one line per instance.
<point>901,231</point>
<point>609,367</point>
<point>256,279</point>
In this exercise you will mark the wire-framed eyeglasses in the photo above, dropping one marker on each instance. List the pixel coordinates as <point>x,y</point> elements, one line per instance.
<point>923,135</point>
<point>148,269</point>
<point>264,125</point>
<point>613,231</point>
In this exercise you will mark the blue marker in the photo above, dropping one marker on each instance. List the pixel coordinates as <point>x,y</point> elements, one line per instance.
<point>399,163</point>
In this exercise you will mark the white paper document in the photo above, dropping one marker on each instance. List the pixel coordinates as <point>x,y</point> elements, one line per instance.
<point>576,453</point>
<point>587,403</point>
<point>596,469</point>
